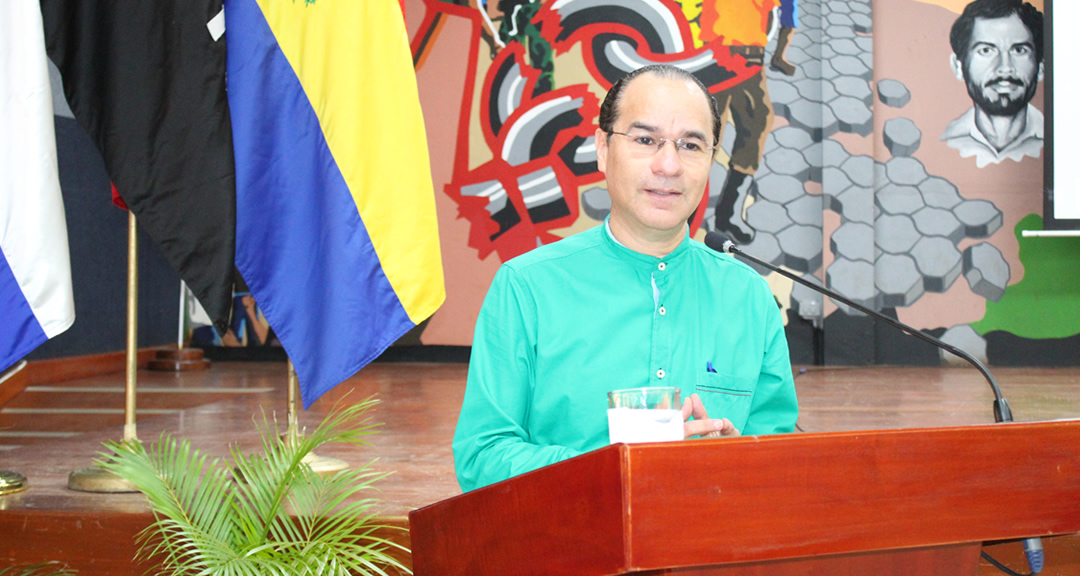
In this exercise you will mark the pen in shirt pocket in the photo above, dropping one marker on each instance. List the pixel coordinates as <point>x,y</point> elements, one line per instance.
<point>709,368</point>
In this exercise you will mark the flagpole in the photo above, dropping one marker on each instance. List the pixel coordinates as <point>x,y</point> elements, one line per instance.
<point>132,328</point>
<point>181,316</point>
<point>294,386</point>
<point>321,465</point>
<point>10,480</point>
<point>96,478</point>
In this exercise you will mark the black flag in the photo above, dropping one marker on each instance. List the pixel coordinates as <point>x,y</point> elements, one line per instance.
<point>147,82</point>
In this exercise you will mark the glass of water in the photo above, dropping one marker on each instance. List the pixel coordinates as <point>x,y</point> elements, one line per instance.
<point>650,414</point>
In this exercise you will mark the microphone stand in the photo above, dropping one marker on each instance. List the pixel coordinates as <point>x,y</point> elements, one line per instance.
<point>1002,411</point>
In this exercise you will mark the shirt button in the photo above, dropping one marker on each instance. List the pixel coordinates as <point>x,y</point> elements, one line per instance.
<point>660,373</point>
<point>662,265</point>
<point>662,310</point>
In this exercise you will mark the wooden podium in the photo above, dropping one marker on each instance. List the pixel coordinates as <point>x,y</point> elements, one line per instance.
<point>915,501</point>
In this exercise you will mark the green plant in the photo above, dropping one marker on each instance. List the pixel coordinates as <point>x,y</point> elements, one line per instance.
<point>281,519</point>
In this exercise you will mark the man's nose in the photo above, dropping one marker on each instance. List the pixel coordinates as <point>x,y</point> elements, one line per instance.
<point>1006,61</point>
<point>667,160</point>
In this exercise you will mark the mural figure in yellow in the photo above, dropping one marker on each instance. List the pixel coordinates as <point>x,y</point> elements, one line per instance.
<point>743,26</point>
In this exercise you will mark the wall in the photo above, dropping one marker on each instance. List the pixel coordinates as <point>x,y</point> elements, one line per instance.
<point>856,187</point>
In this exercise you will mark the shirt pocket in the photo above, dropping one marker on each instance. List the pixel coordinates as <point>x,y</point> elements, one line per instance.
<point>726,396</point>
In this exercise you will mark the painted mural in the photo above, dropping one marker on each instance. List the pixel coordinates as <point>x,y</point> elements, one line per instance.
<point>825,169</point>
<point>997,52</point>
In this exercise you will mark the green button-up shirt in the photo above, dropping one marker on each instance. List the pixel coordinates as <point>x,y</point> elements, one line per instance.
<point>568,322</point>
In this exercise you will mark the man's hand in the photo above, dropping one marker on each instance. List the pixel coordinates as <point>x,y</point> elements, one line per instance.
<point>701,425</point>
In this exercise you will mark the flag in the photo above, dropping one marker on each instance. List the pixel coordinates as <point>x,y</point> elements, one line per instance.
<point>35,272</point>
<point>147,82</point>
<point>336,229</point>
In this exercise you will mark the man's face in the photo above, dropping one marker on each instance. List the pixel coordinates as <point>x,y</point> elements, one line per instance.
<point>1001,69</point>
<point>653,194</point>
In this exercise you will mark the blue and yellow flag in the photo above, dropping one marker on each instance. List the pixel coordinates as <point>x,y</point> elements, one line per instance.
<point>336,228</point>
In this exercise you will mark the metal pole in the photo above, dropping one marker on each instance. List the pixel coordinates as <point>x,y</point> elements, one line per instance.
<point>132,328</point>
<point>96,478</point>
<point>294,387</point>
<point>323,465</point>
<point>182,317</point>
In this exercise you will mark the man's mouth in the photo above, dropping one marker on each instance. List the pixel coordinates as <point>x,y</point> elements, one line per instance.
<point>1004,83</point>
<point>664,191</point>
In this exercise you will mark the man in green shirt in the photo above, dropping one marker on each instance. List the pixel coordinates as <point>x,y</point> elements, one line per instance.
<point>634,302</point>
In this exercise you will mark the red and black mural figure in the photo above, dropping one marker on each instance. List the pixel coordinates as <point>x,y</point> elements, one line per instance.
<point>538,125</point>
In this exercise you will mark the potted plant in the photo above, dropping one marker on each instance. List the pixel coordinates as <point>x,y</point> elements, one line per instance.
<point>261,514</point>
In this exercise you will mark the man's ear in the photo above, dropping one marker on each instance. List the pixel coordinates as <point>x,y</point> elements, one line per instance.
<point>600,141</point>
<point>1040,71</point>
<point>958,67</point>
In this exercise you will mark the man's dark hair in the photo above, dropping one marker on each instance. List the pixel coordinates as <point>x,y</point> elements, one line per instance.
<point>609,109</point>
<point>960,37</point>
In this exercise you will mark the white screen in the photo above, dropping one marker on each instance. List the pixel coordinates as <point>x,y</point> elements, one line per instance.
<point>1066,111</point>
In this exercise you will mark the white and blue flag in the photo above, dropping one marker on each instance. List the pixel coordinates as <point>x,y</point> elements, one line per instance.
<point>35,271</point>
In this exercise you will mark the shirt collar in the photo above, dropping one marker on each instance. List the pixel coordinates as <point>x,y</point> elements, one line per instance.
<point>622,251</point>
<point>965,126</point>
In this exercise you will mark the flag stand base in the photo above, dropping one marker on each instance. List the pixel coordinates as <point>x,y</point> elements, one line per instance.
<point>98,479</point>
<point>324,465</point>
<point>12,482</point>
<point>178,360</point>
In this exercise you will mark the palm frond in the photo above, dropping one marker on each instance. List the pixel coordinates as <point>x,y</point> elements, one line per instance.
<point>188,494</point>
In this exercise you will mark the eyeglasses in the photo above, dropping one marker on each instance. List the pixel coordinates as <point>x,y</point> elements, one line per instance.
<point>690,149</point>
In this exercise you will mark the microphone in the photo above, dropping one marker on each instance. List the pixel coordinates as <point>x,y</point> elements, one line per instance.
<point>1002,413</point>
